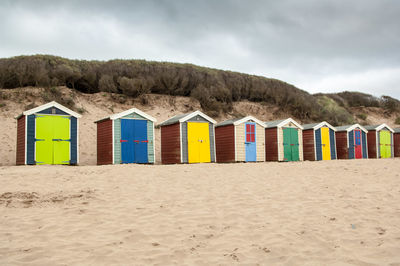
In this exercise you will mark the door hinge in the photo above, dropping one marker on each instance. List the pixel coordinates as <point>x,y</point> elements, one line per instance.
<point>39,139</point>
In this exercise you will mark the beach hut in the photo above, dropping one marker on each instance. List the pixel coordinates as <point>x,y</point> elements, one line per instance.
<point>240,140</point>
<point>351,142</point>
<point>380,141</point>
<point>126,137</point>
<point>283,140</point>
<point>48,134</point>
<point>319,143</point>
<point>188,138</point>
<point>396,141</point>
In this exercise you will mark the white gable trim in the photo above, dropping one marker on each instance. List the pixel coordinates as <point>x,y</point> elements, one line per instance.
<point>322,124</point>
<point>356,126</point>
<point>382,126</point>
<point>130,111</point>
<point>49,105</point>
<point>289,120</point>
<point>189,116</point>
<point>248,118</point>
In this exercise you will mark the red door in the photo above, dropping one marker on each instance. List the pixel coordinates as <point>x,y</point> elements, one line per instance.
<point>357,144</point>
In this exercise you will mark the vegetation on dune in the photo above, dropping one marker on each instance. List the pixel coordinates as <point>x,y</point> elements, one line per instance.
<point>215,89</point>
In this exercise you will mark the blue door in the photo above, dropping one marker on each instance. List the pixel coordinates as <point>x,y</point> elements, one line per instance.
<point>251,147</point>
<point>134,141</point>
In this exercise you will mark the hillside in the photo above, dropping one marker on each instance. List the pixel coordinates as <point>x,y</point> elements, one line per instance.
<point>216,91</point>
<point>101,104</point>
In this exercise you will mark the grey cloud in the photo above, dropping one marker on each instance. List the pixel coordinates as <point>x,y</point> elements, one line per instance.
<point>316,45</point>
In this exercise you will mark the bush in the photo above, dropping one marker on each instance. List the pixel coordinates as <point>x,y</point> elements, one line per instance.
<point>362,116</point>
<point>397,121</point>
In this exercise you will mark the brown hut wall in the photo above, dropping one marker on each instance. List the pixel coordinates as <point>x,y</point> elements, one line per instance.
<point>309,145</point>
<point>171,144</point>
<point>341,145</point>
<point>104,142</point>
<point>225,144</point>
<point>271,144</point>
<point>20,158</point>
<point>396,138</point>
<point>371,140</point>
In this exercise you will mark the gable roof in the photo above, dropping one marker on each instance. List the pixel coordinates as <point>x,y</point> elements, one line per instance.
<point>349,128</point>
<point>379,127</point>
<point>280,123</point>
<point>238,121</point>
<point>316,126</point>
<point>127,112</point>
<point>184,117</point>
<point>49,105</point>
<point>397,130</point>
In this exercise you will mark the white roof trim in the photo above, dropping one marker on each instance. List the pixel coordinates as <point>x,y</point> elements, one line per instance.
<point>130,111</point>
<point>51,104</point>
<point>189,116</point>
<point>355,126</point>
<point>382,126</point>
<point>247,118</point>
<point>284,122</point>
<point>324,123</point>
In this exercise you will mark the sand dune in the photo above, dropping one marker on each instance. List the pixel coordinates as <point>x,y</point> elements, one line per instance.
<point>264,213</point>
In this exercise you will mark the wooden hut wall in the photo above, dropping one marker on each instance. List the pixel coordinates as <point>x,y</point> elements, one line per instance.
<point>198,118</point>
<point>332,140</point>
<point>309,145</point>
<point>225,143</point>
<point>372,145</point>
<point>241,146</point>
<point>280,140</point>
<point>271,144</point>
<point>318,143</point>
<point>20,158</point>
<point>396,139</point>
<point>342,145</point>
<point>104,142</point>
<point>117,137</point>
<point>351,151</point>
<point>170,144</point>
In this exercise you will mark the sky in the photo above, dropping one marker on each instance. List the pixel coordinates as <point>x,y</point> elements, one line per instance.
<point>316,45</point>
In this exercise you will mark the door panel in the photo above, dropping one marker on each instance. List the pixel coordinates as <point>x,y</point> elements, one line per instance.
<point>127,141</point>
<point>385,144</point>
<point>250,142</point>
<point>198,142</point>
<point>326,147</point>
<point>141,142</point>
<point>295,144</point>
<point>287,149</point>
<point>61,139</point>
<point>44,139</point>
<point>357,144</point>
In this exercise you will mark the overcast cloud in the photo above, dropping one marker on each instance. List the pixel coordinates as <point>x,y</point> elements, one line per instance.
<point>316,45</point>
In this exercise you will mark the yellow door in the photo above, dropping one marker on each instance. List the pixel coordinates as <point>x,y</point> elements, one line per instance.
<point>198,142</point>
<point>326,147</point>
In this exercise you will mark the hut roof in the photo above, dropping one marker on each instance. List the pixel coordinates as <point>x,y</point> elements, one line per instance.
<point>316,126</point>
<point>397,130</point>
<point>280,123</point>
<point>238,121</point>
<point>184,117</point>
<point>127,112</point>
<point>351,127</point>
<point>379,127</point>
<point>49,105</point>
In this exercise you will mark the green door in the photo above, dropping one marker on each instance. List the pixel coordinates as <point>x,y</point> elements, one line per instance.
<point>385,144</point>
<point>52,139</point>
<point>290,144</point>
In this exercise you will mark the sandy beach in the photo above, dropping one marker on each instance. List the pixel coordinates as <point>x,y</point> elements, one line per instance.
<point>311,213</point>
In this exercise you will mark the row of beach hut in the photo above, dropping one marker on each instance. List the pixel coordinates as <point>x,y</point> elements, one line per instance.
<point>48,134</point>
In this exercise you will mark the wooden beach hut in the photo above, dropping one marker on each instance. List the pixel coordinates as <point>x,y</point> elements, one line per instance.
<point>48,134</point>
<point>319,142</point>
<point>283,140</point>
<point>380,141</point>
<point>396,142</point>
<point>351,142</point>
<point>188,138</point>
<point>126,137</point>
<point>240,140</point>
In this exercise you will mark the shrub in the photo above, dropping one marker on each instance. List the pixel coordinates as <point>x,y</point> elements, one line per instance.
<point>362,116</point>
<point>397,121</point>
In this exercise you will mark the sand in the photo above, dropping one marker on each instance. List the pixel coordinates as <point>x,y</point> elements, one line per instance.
<point>310,213</point>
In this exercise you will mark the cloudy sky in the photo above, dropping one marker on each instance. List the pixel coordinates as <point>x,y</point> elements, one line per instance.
<point>317,45</point>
